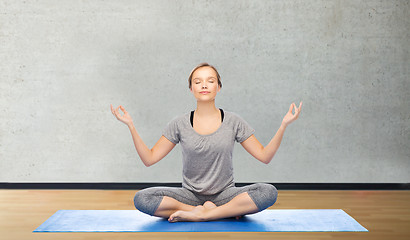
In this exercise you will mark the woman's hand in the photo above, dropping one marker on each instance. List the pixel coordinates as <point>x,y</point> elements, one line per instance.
<point>126,118</point>
<point>290,117</point>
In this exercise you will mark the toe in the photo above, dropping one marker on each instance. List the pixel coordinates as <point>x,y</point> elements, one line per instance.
<point>172,218</point>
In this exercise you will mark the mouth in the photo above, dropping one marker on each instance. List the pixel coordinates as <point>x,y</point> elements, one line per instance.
<point>204,92</point>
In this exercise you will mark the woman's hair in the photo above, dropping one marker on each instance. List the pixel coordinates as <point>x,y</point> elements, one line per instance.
<point>204,65</point>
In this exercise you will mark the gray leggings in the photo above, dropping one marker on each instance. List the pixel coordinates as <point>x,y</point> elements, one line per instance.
<point>147,200</point>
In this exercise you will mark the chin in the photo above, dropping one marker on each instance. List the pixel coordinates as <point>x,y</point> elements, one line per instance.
<point>205,100</point>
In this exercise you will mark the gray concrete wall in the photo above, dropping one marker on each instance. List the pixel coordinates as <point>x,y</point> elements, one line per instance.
<point>62,63</point>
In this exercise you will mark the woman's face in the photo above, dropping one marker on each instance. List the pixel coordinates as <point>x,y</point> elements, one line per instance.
<point>205,80</point>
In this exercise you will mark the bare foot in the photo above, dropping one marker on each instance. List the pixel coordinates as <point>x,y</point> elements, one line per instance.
<point>196,215</point>
<point>209,205</point>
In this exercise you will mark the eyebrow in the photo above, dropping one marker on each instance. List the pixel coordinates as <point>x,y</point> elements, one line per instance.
<point>200,78</point>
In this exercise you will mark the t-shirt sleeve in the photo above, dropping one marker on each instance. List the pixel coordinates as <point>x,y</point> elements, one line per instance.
<point>243,130</point>
<point>171,131</point>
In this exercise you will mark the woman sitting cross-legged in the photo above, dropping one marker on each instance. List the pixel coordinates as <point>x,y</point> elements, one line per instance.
<point>207,136</point>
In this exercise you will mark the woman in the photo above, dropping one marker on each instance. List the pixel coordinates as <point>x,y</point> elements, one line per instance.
<point>207,136</point>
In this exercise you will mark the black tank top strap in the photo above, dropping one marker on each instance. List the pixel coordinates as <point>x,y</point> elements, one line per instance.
<point>192,116</point>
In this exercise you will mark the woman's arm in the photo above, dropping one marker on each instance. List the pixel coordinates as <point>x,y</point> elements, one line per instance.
<point>265,154</point>
<point>258,151</point>
<point>148,156</point>
<point>143,151</point>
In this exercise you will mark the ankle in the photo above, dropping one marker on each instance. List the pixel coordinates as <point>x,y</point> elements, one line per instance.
<point>205,214</point>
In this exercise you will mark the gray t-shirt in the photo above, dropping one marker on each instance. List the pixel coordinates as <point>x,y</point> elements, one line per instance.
<point>207,159</point>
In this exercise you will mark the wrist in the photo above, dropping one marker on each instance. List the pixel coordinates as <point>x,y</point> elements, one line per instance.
<point>131,125</point>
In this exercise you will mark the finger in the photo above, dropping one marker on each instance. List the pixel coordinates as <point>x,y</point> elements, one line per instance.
<point>113,110</point>
<point>123,109</point>
<point>298,111</point>
<point>300,107</point>
<point>115,113</point>
<point>290,108</point>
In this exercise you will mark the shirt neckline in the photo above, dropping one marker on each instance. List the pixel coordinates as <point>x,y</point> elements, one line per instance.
<point>205,135</point>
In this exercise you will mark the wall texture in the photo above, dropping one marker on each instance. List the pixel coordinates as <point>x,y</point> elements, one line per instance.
<point>62,63</point>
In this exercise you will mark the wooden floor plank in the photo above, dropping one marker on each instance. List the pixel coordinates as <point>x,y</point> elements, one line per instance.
<point>386,214</point>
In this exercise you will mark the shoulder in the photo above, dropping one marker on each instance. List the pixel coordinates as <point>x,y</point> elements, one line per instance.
<point>233,116</point>
<point>236,120</point>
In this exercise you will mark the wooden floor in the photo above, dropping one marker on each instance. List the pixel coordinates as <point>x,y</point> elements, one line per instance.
<point>386,214</point>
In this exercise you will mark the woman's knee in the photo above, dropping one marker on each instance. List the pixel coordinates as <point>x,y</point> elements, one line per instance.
<point>140,199</point>
<point>264,195</point>
<point>272,193</point>
<point>147,201</point>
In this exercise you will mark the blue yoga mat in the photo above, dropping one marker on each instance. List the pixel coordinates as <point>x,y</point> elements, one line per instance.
<point>295,220</point>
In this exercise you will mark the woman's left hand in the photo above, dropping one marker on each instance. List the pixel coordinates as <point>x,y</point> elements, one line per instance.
<point>290,117</point>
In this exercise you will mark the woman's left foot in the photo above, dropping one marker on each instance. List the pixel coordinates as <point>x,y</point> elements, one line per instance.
<point>209,205</point>
<point>196,215</point>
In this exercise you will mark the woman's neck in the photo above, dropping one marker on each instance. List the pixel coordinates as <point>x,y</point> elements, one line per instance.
<point>206,109</point>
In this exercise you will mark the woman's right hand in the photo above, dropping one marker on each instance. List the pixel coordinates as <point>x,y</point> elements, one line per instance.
<point>126,118</point>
